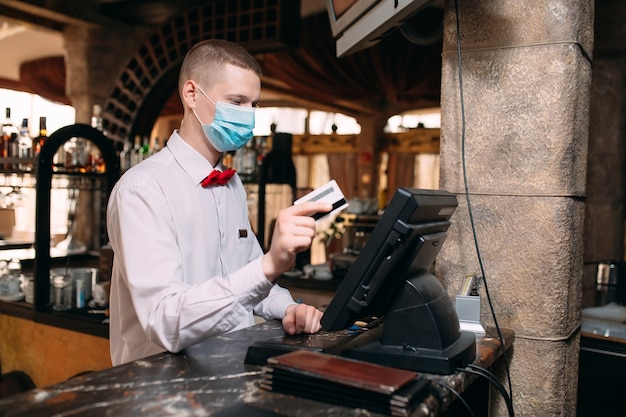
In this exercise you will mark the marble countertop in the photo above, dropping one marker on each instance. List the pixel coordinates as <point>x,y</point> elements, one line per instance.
<point>208,378</point>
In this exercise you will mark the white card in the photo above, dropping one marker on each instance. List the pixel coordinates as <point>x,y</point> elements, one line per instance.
<point>327,193</point>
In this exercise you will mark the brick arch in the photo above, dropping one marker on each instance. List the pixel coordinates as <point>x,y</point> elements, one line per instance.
<point>150,76</point>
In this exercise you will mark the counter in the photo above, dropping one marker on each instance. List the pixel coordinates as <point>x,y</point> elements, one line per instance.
<point>601,369</point>
<point>209,378</point>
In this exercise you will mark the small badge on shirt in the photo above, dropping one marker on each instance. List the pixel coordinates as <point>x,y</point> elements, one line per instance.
<point>243,233</point>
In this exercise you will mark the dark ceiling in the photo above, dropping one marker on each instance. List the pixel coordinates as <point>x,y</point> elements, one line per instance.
<point>55,14</point>
<point>371,80</point>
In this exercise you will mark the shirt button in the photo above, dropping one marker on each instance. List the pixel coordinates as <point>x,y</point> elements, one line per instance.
<point>222,234</point>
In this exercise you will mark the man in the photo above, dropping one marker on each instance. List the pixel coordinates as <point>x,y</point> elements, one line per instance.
<point>187,265</point>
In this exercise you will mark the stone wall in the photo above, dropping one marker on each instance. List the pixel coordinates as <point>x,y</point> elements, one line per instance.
<point>521,132</point>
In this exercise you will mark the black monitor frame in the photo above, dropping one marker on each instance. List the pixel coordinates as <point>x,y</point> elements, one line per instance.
<point>392,279</point>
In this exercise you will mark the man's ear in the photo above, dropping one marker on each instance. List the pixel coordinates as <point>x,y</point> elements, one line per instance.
<point>189,94</point>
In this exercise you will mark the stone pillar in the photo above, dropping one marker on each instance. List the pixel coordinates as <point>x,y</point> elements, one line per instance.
<point>526,77</point>
<point>604,216</point>
<point>94,59</point>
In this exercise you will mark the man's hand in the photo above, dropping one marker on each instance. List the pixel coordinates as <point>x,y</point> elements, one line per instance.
<point>302,318</point>
<point>294,232</point>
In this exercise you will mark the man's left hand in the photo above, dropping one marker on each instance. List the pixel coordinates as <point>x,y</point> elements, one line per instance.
<point>302,318</point>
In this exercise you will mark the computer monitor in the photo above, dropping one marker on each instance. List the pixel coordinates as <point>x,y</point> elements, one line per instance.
<point>359,24</point>
<point>392,279</point>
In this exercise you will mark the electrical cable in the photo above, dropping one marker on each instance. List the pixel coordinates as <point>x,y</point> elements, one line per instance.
<point>469,206</point>
<point>487,372</point>
<point>457,395</point>
<point>480,371</point>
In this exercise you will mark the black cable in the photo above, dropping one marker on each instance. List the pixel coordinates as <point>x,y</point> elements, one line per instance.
<point>457,395</point>
<point>487,373</point>
<point>477,370</point>
<point>469,206</point>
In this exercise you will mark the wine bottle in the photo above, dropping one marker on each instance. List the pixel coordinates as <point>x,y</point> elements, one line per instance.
<point>9,134</point>
<point>125,156</point>
<point>135,153</point>
<point>25,146</point>
<point>96,118</point>
<point>156,147</point>
<point>95,161</point>
<point>144,151</point>
<point>41,138</point>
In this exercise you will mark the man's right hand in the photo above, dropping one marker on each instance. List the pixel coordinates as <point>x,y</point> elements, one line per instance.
<point>293,232</point>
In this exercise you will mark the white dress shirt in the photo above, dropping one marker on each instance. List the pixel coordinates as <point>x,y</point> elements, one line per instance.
<point>186,262</point>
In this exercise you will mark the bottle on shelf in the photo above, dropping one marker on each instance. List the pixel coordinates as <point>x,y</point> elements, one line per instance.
<point>96,118</point>
<point>144,151</point>
<point>156,147</point>
<point>41,138</point>
<point>125,156</point>
<point>96,161</point>
<point>135,153</point>
<point>9,135</point>
<point>78,156</point>
<point>227,160</point>
<point>262,148</point>
<point>248,170</point>
<point>25,146</point>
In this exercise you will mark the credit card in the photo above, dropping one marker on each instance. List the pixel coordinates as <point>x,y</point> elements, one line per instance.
<point>327,193</point>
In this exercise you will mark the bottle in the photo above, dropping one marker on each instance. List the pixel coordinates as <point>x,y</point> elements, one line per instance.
<point>9,134</point>
<point>135,154</point>
<point>96,160</point>
<point>25,146</point>
<point>76,155</point>
<point>248,162</point>
<point>14,268</point>
<point>80,292</point>
<point>96,118</point>
<point>125,156</point>
<point>227,160</point>
<point>262,148</point>
<point>156,147</point>
<point>41,138</point>
<point>144,151</point>
<point>13,277</point>
<point>238,160</point>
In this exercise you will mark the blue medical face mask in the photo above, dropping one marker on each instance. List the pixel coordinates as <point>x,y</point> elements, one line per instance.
<point>231,128</point>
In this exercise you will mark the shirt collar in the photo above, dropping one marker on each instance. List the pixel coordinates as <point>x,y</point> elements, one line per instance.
<point>190,160</point>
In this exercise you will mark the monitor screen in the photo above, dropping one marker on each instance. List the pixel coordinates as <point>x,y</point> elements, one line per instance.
<point>394,250</point>
<point>391,279</point>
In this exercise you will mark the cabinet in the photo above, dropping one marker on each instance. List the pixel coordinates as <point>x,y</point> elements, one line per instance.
<point>100,183</point>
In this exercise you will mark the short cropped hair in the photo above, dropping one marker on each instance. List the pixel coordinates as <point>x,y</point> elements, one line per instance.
<point>205,62</point>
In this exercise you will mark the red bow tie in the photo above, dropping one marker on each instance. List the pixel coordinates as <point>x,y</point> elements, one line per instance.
<point>217,177</point>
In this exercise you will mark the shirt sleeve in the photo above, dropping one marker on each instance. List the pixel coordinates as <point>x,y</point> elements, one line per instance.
<point>275,304</point>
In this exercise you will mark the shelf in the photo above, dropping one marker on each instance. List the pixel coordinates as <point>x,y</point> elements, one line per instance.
<point>46,172</point>
<point>78,320</point>
<point>38,257</point>
<point>15,244</point>
<point>12,166</point>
